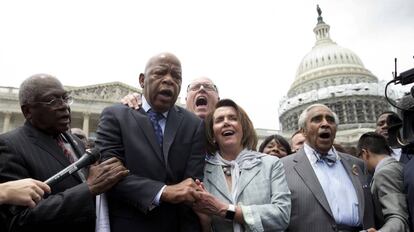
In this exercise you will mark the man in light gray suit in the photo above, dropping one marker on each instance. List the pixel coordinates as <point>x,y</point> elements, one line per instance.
<point>328,188</point>
<point>387,187</point>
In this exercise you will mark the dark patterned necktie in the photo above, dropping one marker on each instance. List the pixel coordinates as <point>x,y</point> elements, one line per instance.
<point>155,121</point>
<point>66,151</point>
<point>329,158</point>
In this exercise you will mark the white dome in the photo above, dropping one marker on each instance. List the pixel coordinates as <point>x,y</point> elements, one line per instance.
<point>326,54</point>
<point>328,64</point>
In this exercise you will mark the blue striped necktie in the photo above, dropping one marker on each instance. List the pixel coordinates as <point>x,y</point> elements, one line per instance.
<point>155,121</point>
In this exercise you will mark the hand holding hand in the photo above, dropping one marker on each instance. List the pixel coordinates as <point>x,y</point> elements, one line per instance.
<point>210,205</point>
<point>133,100</point>
<point>184,192</point>
<point>25,192</point>
<point>105,175</point>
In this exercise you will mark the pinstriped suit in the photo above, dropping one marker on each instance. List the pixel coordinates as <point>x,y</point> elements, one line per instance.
<point>28,152</point>
<point>310,208</point>
<point>263,195</point>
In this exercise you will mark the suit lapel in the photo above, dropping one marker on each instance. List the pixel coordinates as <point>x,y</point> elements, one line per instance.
<point>306,172</point>
<point>355,182</point>
<point>144,123</point>
<point>47,143</point>
<point>174,120</point>
<point>215,176</point>
<point>248,175</point>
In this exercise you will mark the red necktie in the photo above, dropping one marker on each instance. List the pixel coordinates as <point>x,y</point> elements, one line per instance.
<point>66,151</point>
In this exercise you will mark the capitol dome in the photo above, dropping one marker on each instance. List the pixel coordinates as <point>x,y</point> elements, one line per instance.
<point>328,64</point>
<point>335,76</point>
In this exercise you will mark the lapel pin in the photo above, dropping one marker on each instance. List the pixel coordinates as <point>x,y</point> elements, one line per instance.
<point>355,170</point>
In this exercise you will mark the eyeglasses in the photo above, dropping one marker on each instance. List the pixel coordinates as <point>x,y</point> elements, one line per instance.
<point>208,87</point>
<point>56,102</point>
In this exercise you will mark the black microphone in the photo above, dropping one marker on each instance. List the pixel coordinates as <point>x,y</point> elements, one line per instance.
<point>90,157</point>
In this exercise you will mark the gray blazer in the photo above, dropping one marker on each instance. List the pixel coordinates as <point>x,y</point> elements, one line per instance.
<point>263,195</point>
<point>310,208</point>
<point>390,202</point>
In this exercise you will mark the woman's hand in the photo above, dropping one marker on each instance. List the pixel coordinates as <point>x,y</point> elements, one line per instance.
<point>210,205</point>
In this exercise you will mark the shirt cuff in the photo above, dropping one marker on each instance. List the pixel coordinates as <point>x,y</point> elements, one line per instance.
<point>157,198</point>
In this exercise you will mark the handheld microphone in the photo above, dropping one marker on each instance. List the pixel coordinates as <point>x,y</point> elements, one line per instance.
<point>90,157</point>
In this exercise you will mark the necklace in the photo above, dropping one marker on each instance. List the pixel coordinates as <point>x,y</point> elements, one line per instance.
<point>226,170</point>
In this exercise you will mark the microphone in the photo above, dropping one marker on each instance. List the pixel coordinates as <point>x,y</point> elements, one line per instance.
<point>90,157</point>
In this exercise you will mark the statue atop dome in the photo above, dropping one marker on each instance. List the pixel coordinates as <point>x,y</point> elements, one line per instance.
<point>318,9</point>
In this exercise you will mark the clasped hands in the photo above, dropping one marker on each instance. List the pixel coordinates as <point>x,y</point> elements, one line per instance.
<point>194,194</point>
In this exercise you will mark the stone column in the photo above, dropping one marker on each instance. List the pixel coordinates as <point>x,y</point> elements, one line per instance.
<point>86,123</point>
<point>6,123</point>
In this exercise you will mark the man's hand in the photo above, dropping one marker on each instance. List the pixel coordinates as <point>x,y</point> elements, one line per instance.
<point>105,175</point>
<point>184,192</point>
<point>133,100</point>
<point>25,192</point>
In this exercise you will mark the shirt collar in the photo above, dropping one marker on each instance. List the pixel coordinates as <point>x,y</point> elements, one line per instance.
<point>146,106</point>
<point>310,153</point>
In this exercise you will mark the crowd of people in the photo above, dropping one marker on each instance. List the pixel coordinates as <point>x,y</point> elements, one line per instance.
<point>169,168</point>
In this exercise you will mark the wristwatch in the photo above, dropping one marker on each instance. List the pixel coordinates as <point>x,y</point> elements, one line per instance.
<point>231,211</point>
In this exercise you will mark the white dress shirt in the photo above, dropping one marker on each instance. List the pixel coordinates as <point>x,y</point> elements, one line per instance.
<point>337,186</point>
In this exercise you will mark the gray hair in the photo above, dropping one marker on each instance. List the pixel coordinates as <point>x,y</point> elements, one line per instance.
<point>29,88</point>
<point>303,116</point>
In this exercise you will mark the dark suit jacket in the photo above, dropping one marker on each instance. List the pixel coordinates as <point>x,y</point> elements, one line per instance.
<point>390,202</point>
<point>27,152</point>
<point>128,134</point>
<point>310,209</point>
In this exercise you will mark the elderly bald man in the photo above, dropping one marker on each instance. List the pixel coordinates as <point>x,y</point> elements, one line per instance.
<point>41,148</point>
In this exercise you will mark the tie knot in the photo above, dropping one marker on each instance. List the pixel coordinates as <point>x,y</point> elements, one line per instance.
<point>155,115</point>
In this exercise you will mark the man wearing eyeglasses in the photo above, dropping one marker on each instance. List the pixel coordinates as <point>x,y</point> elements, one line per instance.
<point>202,96</point>
<point>41,148</point>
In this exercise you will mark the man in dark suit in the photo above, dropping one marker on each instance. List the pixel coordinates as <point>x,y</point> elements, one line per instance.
<point>163,147</point>
<point>41,148</point>
<point>390,203</point>
<point>328,188</point>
